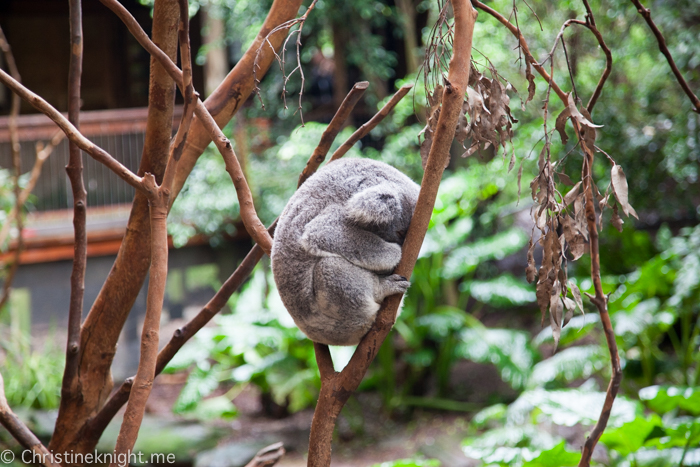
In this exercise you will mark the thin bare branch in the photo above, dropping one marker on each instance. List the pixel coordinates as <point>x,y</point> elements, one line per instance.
<point>332,130</point>
<point>599,299</point>
<point>42,153</point>
<point>71,132</point>
<point>16,165</point>
<point>590,20</point>
<point>281,59</point>
<point>337,387</point>
<point>601,302</point>
<point>74,169</point>
<point>646,14</point>
<point>373,122</point>
<point>21,433</point>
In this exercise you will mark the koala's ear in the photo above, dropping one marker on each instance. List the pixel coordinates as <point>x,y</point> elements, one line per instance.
<point>378,205</point>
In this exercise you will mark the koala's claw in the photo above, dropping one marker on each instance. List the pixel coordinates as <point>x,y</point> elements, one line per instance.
<point>396,283</point>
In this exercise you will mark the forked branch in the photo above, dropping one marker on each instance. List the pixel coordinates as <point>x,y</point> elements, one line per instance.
<point>373,122</point>
<point>98,423</point>
<point>249,216</point>
<point>159,202</point>
<point>336,388</point>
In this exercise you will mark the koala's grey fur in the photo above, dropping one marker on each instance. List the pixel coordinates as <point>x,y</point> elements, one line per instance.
<point>336,245</point>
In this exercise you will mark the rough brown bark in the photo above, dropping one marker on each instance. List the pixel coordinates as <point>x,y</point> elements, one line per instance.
<point>109,312</point>
<point>336,388</point>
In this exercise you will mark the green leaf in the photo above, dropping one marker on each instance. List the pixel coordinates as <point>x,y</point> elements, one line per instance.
<point>201,382</point>
<point>631,436</point>
<point>509,445</point>
<point>568,407</point>
<point>663,399</point>
<point>464,259</point>
<point>445,320</point>
<point>215,408</point>
<point>568,365</point>
<point>504,291</point>
<point>495,413</point>
<point>558,456</point>
<point>509,350</point>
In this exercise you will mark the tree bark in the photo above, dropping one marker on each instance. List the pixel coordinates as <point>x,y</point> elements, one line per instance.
<point>336,388</point>
<point>108,314</point>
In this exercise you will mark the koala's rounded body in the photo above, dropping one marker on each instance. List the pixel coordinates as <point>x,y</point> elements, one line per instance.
<point>336,245</point>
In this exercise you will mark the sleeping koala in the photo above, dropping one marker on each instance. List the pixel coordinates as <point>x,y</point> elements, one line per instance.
<point>336,245</point>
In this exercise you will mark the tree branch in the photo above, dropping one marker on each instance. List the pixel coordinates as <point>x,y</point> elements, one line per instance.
<point>42,153</point>
<point>71,132</point>
<point>16,165</point>
<point>332,130</point>
<point>74,169</point>
<point>646,14</point>
<point>249,216</point>
<point>373,122</point>
<point>590,21</point>
<point>98,423</point>
<point>158,197</point>
<point>600,301</point>
<point>337,388</point>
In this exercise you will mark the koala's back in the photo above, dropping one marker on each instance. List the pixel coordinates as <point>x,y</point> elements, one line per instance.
<point>293,266</point>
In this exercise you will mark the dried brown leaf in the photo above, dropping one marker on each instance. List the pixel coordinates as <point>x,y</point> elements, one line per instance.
<point>616,221</point>
<point>530,270</point>
<point>563,178</point>
<point>577,296</point>
<point>531,88</point>
<point>572,194</point>
<point>619,184</point>
<point>560,124</point>
<point>570,306</point>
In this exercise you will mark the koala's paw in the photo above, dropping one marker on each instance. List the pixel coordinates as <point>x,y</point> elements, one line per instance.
<point>394,284</point>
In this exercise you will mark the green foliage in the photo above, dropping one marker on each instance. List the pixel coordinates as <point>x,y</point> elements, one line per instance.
<point>32,376</point>
<point>508,349</point>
